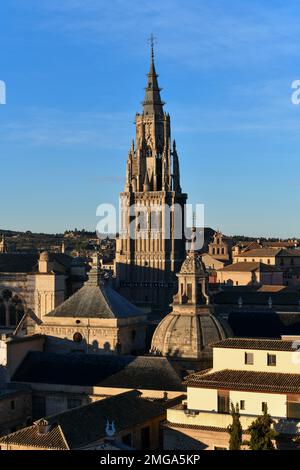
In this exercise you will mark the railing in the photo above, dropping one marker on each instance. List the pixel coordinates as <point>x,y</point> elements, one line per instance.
<point>221,420</point>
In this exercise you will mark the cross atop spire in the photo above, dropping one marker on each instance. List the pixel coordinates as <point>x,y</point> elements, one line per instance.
<point>152,40</point>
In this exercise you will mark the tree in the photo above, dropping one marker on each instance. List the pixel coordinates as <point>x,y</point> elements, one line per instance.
<point>235,429</point>
<point>262,433</point>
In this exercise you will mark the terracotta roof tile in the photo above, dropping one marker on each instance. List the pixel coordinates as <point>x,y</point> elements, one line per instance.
<point>259,344</point>
<point>247,381</point>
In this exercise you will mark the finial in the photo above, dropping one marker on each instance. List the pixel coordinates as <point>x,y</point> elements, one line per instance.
<point>110,428</point>
<point>152,40</point>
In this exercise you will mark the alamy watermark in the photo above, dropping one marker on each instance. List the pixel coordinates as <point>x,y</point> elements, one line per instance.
<point>2,92</point>
<point>143,221</point>
<point>295,98</point>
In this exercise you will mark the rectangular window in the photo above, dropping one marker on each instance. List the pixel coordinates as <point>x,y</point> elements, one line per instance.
<point>249,359</point>
<point>271,360</point>
<point>189,292</point>
<point>223,403</point>
<point>12,405</point>
<point>293,410</point>
<point>242,404</point>
<point>220,448</point>
<point>264,406</point>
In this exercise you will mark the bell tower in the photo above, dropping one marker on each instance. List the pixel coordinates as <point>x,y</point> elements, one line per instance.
<point>151,245</point>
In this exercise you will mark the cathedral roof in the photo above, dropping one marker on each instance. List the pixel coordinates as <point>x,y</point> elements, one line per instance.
<point>99,370</point>
<point>93,301</point>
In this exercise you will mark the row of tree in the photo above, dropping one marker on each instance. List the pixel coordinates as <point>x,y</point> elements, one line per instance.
<point>261,431</point>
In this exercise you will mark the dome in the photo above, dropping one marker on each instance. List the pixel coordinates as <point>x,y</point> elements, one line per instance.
<point>187,335</point>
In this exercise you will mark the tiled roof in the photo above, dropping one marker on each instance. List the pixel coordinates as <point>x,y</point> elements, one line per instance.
<point>96,302</point>
<point>268,251</point>
<point>289,252</point>
<point>31,437</point>
<point>259,252</point>
<point>244,266</point>
<point>246,381</point>
<point>84,425</point>
<point>140,372</point>
<point>17,262</point>
<point>258,344</point>
<point>27,263</point>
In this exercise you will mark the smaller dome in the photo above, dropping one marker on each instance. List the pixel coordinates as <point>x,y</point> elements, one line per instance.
<point>187,335</point>
<point>44,256</point>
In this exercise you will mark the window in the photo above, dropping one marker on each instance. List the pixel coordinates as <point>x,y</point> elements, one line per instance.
<point>189,292</point>
<point>12,405</point>
<point>220,448</point>
<point>249,359</point>
<point>223,402</point>
<point>237,283</point>
<point>127,440</point>
<point>264,406</point>
<point>145,437</point>
<point>271,361</point>
<point>77,337</point>
<point>73,403</point>
<point>242,404</point>
<point>293,410</point>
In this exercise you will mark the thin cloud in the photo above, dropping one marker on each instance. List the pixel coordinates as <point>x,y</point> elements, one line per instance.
<point>206,34</point>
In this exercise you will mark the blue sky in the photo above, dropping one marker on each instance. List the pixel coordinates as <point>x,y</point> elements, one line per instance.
<point>75,72</point>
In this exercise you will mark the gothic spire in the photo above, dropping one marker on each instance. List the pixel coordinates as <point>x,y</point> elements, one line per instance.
<point>152,103</point>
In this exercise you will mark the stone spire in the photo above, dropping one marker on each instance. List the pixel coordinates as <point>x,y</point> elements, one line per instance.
<point>152,103</point>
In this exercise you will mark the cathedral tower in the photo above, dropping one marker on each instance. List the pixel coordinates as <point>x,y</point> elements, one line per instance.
<point>151,244</point>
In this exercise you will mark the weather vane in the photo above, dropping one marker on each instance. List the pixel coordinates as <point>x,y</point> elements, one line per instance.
<point>152,40</point>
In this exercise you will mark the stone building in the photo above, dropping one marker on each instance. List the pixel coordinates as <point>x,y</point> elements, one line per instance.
<point>221,247</point>
<point>95,319</point>
<point>15,408</point>
<point>249,274</point>
<point>148,252</point>
<point>185,334</point>
<point>34,285</point>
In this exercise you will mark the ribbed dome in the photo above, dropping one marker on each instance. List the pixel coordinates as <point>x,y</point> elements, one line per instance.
<point>187,335</point>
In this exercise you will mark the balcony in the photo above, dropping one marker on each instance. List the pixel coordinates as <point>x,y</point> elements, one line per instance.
<point>183,416</point>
